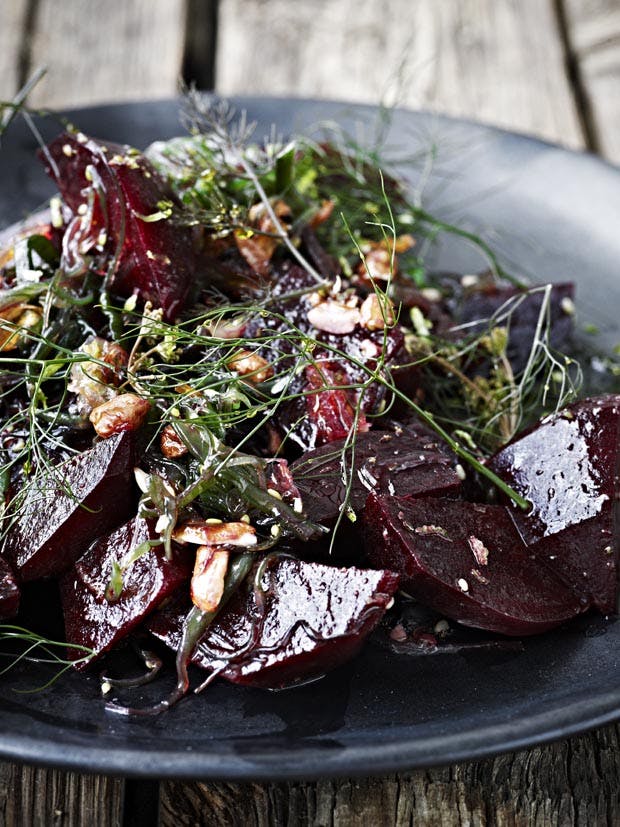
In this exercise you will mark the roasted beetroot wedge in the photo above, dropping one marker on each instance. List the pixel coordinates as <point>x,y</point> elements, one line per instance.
<point>567,467</point>
<point>466,561</point>
<point>403,461</point>
<point>124,195</point>
<point>304,619</point>
<point>483,301</point>
<point>64,512</point>
<point>9,591</point>
<point>94,621</point>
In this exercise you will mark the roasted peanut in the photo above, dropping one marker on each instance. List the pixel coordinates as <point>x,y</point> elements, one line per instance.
<point>203,532</point>
<point>126,412</point>
<point>333,317</point>
<point>171,444</point>
<point>207,586</point>
<point>251,366</point>
<point>376,312</point>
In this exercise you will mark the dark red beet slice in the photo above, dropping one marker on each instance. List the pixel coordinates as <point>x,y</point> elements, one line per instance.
<point>567,467</point>
<point>83,499</point>
<point>466,561</point>
<point>403,461</point>
<point>90,619</point>
<point>157,258</point>
<point>312,619</point>
<point>9,591</point>
<point>483,302</point>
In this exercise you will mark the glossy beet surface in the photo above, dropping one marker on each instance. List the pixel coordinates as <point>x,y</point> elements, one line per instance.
<point>466,561</point>
<point>9,591</point>
<point>567,467</point>
<point>406,460</point>
<point>302,621</point>
<point>81,500</point>
<point>93,621</point>
<point>154,258</point>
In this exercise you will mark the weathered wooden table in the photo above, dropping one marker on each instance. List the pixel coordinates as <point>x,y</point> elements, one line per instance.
<point>549,67</point>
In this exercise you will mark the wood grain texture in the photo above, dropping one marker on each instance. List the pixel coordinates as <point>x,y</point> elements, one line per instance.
<point>13,16</point>
<point>593,29</point>
<point>112,51</point>
<point>500,61</point>
<point>572,782</point>
<point>32,797</point>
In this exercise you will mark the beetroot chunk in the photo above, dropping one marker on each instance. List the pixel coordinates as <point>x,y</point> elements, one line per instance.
<point>69,508</point>
<point>567,467</point>
<point>156,259</point>
<point>93,621</point>
<point>9,591</point>
<point>305,619</point>
<point>405,461</point>
<point>482,302</point>
<point>466,561</point>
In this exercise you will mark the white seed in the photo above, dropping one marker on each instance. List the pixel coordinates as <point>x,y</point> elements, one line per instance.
<point>462,584</point>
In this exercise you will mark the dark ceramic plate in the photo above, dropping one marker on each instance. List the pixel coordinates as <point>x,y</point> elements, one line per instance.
<point>556,214</point>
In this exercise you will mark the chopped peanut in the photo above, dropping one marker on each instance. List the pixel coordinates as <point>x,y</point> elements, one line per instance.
<point>94,382</point>
<point>207,585</point>
<point>20,317</point>
<point>322,214</point>
<point>252,366</point>
<point>126,412</point>
<point>204,532</point>
<point>380,259</point>
<point>375,313</point>
<point>333,317</point>
<point>171,444</point>
<point>258,247</point>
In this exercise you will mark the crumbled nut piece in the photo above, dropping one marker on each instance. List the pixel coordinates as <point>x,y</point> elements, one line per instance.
<point>227,328</point>
<point>257,244</point>
<point>380,259</point>
<point>251,366</point>
<point>322,214</point>
<point>375,313</point>
<point>333,317</point>
<point>95,380</point>
<point>20,317</point>
<point>207,586</point>
<point>126,412</point>
<point>203,532</point>
<point>479,550</point>
<point>171,444</point>
<point>378,265</point>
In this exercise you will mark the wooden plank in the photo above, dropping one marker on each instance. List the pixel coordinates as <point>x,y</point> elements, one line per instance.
<point>13,16</point>
<point>30,796</point>
<point>498,61</point>
<point>568,783</point>
<point>112,51</point>
<point>593,33</point>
